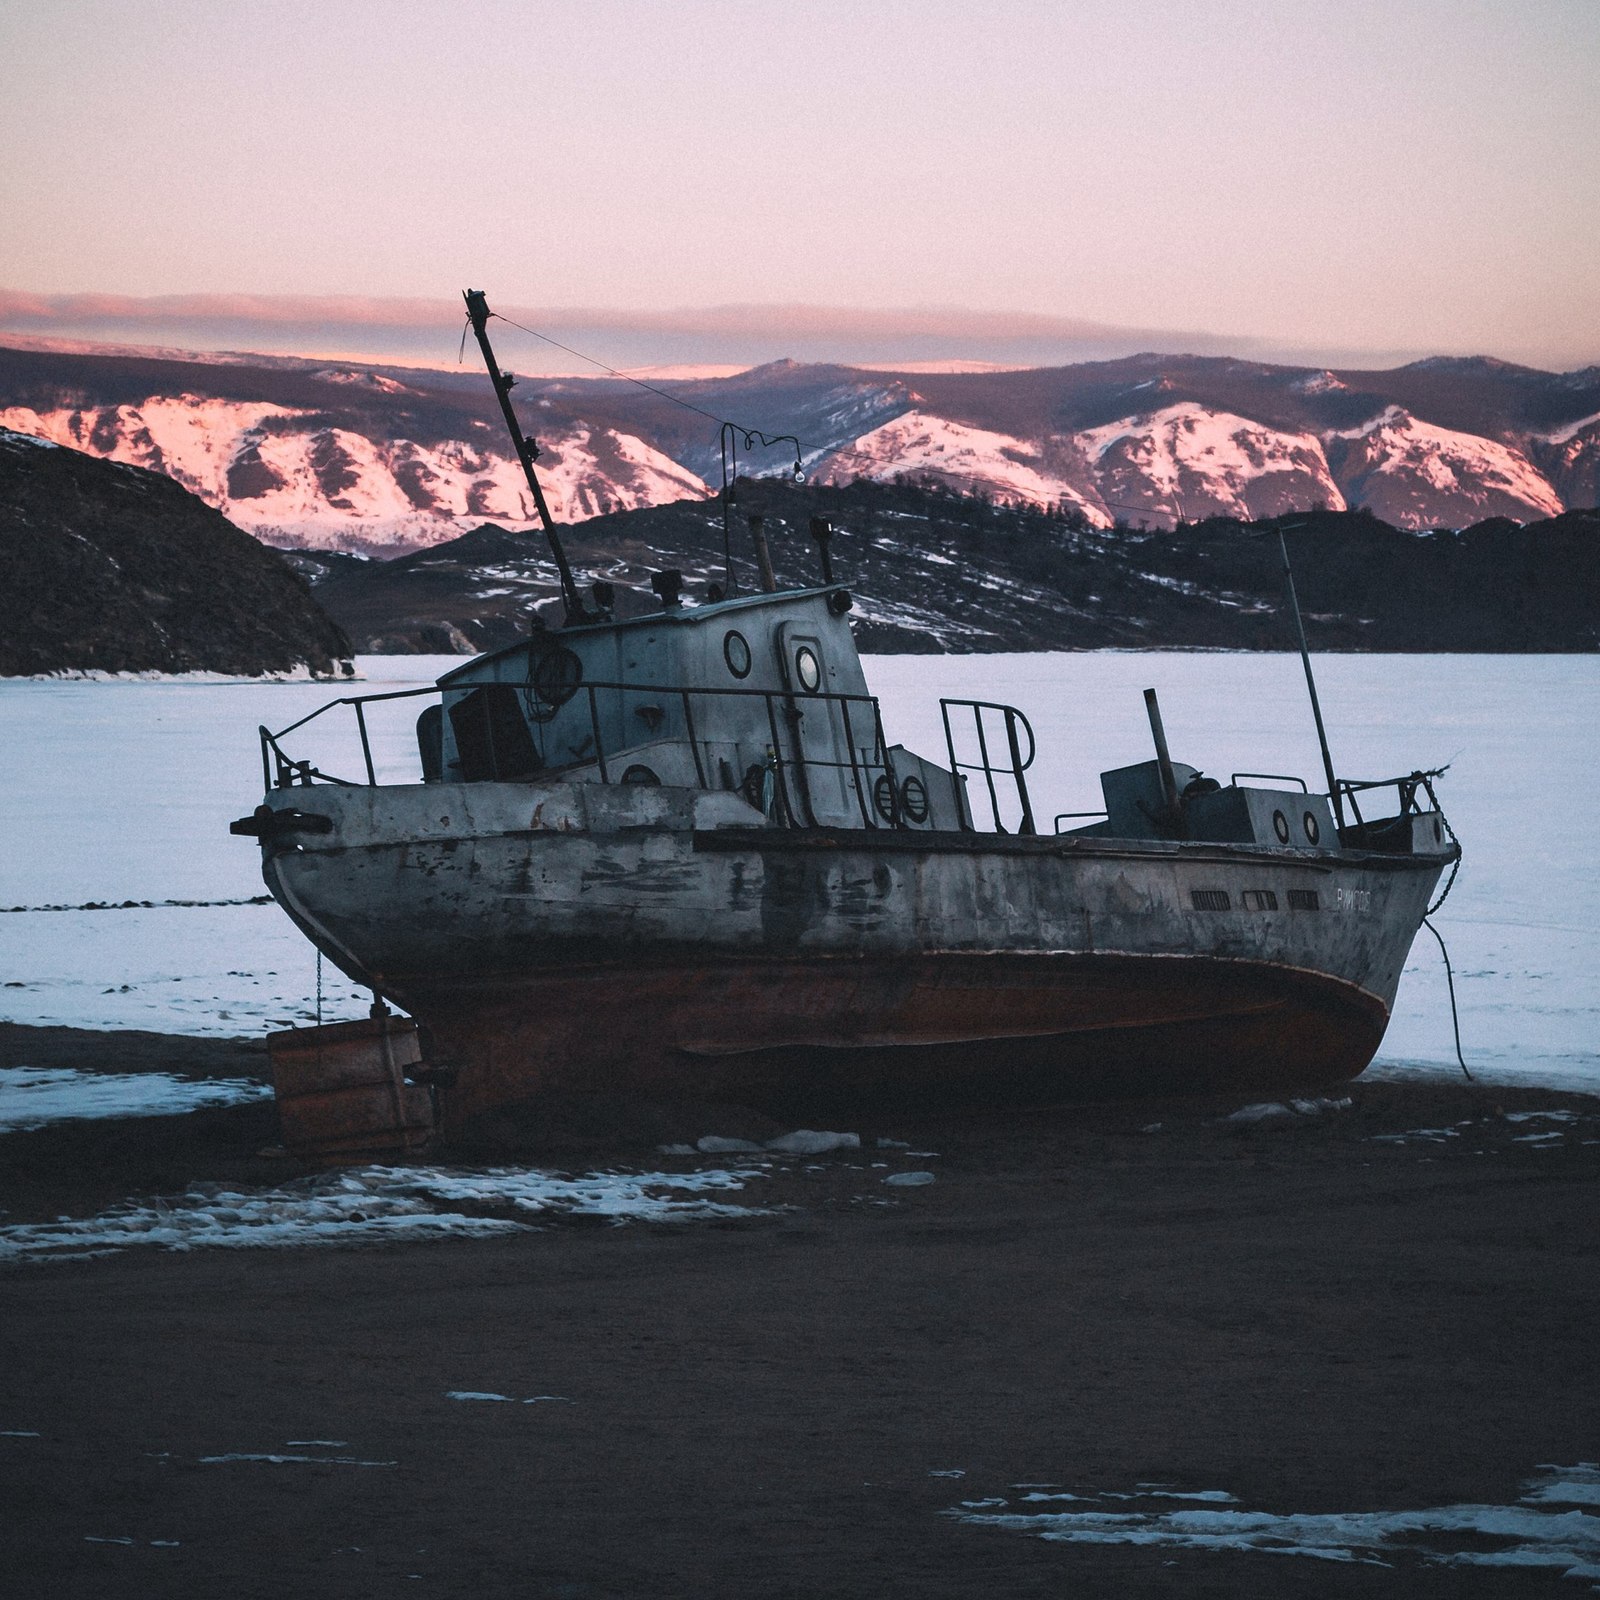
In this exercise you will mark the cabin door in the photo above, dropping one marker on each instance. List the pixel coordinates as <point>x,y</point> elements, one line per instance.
<point>819,736</point>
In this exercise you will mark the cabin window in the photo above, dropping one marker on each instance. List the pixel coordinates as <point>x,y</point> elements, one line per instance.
<point>492,739</point>
<point>1210,899</point>
<point>736,652</point>
<point>1304,900</point>
<point>555,677</point>
<point>1280,826</point>
<point>1259,900</point>
<point>807,669</point>
<point>1312,826</point>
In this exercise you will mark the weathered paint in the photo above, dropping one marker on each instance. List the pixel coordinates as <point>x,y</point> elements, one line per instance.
<point>582,936</point>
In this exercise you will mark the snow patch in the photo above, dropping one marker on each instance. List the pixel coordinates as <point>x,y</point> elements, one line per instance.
<point>373,1205</point>
<point>809,1142</point>
<point>31,1097</point>
<point>1524,1534</point>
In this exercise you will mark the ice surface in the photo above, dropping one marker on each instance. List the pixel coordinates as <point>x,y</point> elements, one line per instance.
<point>1567,1541</point>
<point>128,788</point>
<point>909,1180</point>
<point>374,1205</point>
<point>30,1097</point>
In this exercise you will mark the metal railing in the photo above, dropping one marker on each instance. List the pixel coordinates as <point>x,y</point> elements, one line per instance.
<point>788,762</point>
<point>1270,777</point>
<point>1013,720</point>
<point>1406,790</point>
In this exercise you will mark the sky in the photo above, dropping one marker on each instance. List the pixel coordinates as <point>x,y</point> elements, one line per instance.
<point>1338,182</point>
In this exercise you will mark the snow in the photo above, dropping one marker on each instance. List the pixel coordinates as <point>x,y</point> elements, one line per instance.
<point>1398,452</point>
<point>1196,460</point>
<point>31,1097</point>
<point>810,1142</point>
<point>376,1204</point>
<point>276,1460</point>
<point>918,444</point>
<point>1528,1535</point>
<point>1565,434</point>
<point>482,1394</point>
<point>127,790</point>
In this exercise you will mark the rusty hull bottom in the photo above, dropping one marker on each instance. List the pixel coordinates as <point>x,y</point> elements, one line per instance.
<point>798,1036</point>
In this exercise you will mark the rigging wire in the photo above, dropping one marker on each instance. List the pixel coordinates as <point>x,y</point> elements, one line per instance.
<point>753,436</point>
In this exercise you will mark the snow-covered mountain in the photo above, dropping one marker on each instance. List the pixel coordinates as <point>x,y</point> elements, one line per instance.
<point>291,477</point>
<point>392,459</point>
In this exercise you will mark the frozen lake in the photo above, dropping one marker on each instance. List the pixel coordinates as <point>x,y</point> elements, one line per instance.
<point>124,791</point>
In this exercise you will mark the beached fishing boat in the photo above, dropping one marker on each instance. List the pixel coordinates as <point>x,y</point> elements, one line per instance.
<point>677,855</point>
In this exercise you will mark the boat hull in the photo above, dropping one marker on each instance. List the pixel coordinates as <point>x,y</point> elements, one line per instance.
<point>658,943</point>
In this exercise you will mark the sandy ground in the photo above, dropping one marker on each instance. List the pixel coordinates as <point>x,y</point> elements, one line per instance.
<point>1299,1312</point>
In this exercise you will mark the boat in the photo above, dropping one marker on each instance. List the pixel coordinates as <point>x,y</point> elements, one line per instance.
<point>675,855</point>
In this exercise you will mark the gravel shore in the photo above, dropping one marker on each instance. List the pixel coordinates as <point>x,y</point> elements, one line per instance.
<point>838,1384</point>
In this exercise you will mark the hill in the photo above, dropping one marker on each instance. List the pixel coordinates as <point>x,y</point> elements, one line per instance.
<point>934,571</point>
<point>111,568</point>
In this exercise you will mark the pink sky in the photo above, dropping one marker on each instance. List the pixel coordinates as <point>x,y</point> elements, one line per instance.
<point>701,181</point>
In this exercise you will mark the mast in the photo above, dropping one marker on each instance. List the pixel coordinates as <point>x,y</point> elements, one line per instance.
<point>527,451</point>
<point>1311,682</point>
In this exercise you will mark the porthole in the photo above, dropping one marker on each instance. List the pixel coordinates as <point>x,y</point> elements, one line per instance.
<point>1280,826</point>
<point>914,800</point>
<point>885,800</point>
<point>736,652</point>
<point>808,669</point>
<point>1312,827</point>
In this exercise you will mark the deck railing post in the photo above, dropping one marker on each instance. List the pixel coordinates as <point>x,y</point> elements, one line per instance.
<point>599,743</point>
<point>988,769</point>
<point>1026,825</point>
<point>366,747</point>
<point>694,747</point>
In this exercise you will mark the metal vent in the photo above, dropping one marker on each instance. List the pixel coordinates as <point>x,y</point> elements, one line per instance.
<point>1304,900</point>
<point>1210,899</point>
<point>1259,900</point>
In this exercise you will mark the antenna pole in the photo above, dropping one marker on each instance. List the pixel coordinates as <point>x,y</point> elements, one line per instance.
<point>1311,682</point>
<point>527,451</point>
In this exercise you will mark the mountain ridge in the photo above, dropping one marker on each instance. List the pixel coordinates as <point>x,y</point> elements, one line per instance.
<point>359,456</point>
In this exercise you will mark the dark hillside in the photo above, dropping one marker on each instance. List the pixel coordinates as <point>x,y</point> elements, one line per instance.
<point>111,568</point>
<point>933,571</point>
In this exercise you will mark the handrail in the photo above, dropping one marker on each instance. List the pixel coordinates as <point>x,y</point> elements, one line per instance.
<point>1067,816</point>
<point>1274,777</point>
<point>1405,787</point>
<point>1012,718</point>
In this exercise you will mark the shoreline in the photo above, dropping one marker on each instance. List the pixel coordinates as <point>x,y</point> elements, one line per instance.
<point>1347,1310</point>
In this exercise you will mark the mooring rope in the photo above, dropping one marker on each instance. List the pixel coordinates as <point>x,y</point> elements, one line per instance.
<point>1450,979</point>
